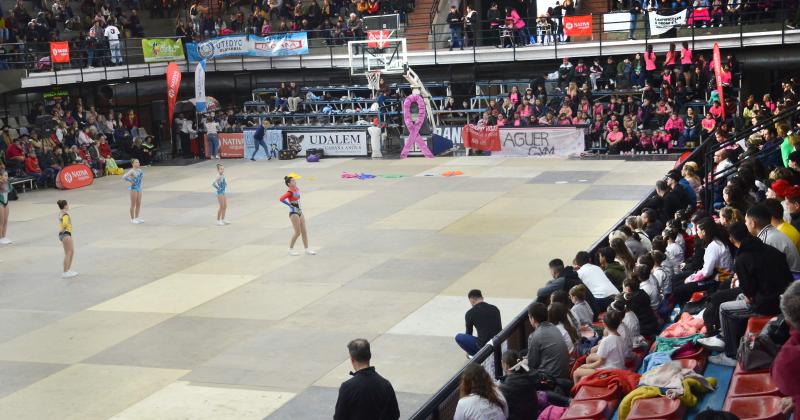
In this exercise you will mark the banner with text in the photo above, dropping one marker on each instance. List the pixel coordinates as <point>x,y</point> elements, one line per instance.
<point>162,49</point>
<point>660,24</point>
<point>59,52</point>
<point>231,145</point>
<point>485,137</point>
<point>578,25</point>
<point>617,22</point>
<point>272,138</point>
<point>295,43</point>
<point>541,141</point>
<point>74,176</point>
<point>333,143</point>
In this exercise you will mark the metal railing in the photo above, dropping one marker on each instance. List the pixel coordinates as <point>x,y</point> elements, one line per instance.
<point>330,45</point>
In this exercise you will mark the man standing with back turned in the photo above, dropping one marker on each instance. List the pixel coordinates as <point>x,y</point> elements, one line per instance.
<point>485,318</point>
<point>367,395</point>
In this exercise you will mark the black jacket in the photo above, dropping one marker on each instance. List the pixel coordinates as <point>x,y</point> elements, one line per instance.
<point>639,302</point>
<point>455,20</point>
<point>366,396</point>
<point>519,390</point>
<point>565,281</point>
<point>486,319</point>
<point>763,275</point>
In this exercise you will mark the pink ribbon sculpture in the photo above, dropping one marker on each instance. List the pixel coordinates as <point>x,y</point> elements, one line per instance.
<point>414,126</point>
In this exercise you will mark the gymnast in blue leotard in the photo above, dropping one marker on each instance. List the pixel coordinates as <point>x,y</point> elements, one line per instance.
<point>292,199</point>
<point>134,177</point>
<point>219,185</point>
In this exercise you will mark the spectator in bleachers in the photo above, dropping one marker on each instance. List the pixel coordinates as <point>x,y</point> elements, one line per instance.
<point>762,274</point>
<point>581,309</point>
<point>612,267</point>
<point>479,397</point>
<point>557,315</point>
<point>639,301</point>
<point>483,317</point>
<point>759,223</point>
<point>367,395</point>
<point>518,387</point>
<point>563,278</point>
<point>611,350</point>
<point>717,263</point>
<point>547,352</point>
<point>594,279</point>
<point>785,367</point>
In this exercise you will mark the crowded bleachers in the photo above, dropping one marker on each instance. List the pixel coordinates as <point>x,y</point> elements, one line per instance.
<point>687,308</point>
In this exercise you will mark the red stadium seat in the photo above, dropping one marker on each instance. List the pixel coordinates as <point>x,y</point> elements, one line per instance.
<point>661,408</point>
<point>756,323</point>
<point>755,408</point>
<point>610,395</point>
<point>751,385</point>
<point>587,410</point>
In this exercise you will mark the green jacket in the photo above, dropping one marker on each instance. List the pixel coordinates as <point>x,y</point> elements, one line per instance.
<point>616,273</point>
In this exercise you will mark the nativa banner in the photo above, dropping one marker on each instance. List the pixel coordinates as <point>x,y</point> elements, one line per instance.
<point>162,49</point>
<point>295,43</point>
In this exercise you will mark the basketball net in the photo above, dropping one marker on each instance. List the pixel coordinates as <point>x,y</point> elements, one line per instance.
<point>374,79</point>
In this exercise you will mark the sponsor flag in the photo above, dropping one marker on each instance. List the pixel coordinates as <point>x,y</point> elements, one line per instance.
<point>200,87</point>
<point>578,25</point>
<point>74,176</point>
<point>173,84</point>
<point>59,52</point>
<point>162,49</point>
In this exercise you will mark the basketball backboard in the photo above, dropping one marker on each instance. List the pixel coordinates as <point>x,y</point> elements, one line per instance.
<point>387,55</point>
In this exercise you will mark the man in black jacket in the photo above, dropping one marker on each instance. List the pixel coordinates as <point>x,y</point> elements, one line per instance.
<point>763,274</point>
<point>671,201</point>
<point>367,395</point>
<point>483,317</point>
<point>564,278</point>
<point>456,22</point>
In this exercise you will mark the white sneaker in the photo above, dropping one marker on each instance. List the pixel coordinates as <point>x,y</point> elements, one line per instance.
<point>217,156</point>
<point>135,221</point>
<point>722,359</point>
<point>226,222</point>
<point>68,274</point>
<point>140,220</point>
<point>220,223</point>
<point>5,241</point>
<point>712,343</point>
<point>293,253</point>
<point>311,252</point>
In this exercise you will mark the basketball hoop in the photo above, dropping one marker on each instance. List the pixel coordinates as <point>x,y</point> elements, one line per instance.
<point>374,79</point>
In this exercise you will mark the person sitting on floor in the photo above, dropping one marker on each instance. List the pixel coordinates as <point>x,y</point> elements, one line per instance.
<point>485,318</point>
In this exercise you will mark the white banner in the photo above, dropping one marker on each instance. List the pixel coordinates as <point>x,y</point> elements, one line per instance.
<point>660,23</point>
<point>200,86</point>
<point>541,141</point>
<point>617,22</point>
<point>333,143</point>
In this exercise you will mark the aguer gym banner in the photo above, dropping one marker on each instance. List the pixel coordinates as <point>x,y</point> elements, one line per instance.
<point>295,43</point>
<point>525,141</point>
<point>162,49</point>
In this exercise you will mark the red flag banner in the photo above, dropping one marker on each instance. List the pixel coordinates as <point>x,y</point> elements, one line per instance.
<point>481,138</point>
<point>59,52</point>
<point>578,25</point>
<point>717,61</point>
<point>378,37</point>
<point>173,84</point>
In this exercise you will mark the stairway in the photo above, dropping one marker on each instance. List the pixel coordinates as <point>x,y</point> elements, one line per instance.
<point>418,26</point>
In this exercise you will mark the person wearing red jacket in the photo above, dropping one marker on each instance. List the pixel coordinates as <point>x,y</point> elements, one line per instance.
<point>33,169</point>
<point>787,363</point>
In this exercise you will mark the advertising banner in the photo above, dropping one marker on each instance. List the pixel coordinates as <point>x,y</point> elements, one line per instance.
<point>617,22</point>
<point>295,43</point>
<point>231,145</point>
<point>333,143</point>
<point>162,49</point>
<point>450,132</point>
<point>378,36</point>
<point>486,137</point>
<point>200,86</point>
<point>173,84</point>
<point>541,141</point>
<point>660,24</point>
<point>273,139</point>
<point>578,25</point>
<point>74,176</point>
<point>59,52</point>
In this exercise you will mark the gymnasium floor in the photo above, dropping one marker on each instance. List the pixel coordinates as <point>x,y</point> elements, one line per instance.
<point>179,318</point>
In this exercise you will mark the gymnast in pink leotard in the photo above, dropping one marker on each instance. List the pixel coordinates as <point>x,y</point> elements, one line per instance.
<point>292,199</point>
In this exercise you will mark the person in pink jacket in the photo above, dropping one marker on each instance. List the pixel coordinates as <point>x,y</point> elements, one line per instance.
<point>519,26</point>
<point>649,62</point>
<point>675,127</point>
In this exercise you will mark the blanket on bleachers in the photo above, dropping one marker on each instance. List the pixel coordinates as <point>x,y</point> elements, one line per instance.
<point>624,379</point>
<point>670,344</point>
<point>686,325</point>
<point>669,377</point>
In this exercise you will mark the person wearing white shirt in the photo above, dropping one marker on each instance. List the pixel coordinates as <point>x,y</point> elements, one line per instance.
<point>112,34</point>
<point>479,397</point>
<point>212,128</point>
<point>595,280</point>
<point>611,350</point>
<point>375,134</point>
